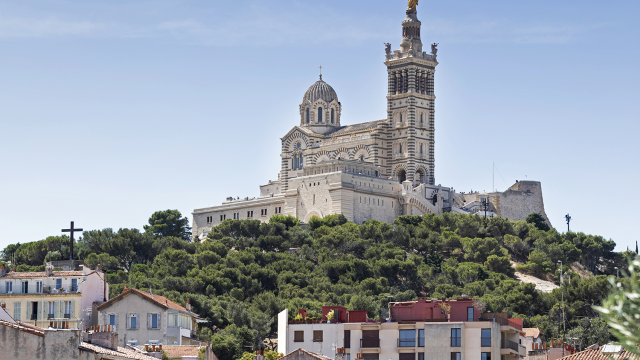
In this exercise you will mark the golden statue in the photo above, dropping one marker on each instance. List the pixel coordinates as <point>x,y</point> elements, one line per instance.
<point>412,4</point>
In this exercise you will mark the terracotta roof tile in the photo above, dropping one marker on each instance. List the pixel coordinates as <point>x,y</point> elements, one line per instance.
<point>535,332</point>
<point>181,350</point>
<point>22,327</point>
<point>597,354</point>
<point>122,352</point>
<point>317,356</point>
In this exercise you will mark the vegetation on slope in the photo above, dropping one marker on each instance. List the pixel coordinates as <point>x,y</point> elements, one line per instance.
<point>244,273</point>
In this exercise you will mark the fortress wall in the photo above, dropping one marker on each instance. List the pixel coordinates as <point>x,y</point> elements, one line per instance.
<point>520,200</point>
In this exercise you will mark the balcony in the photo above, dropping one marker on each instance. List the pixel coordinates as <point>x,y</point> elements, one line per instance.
<point>369,343</point>
<point>508,347</point>
<point>502,321</point>
<point>406,342</point>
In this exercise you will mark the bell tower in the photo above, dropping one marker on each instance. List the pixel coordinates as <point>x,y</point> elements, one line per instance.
<point>410,105</point>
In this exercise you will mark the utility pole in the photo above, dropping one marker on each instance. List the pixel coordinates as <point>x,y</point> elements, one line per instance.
<point>485,205</point>
<point>568,218</point>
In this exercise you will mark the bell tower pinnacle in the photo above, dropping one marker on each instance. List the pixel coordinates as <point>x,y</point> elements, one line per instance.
<point>410,105</point>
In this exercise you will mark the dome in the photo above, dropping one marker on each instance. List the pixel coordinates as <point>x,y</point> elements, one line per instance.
<point>320,90</point>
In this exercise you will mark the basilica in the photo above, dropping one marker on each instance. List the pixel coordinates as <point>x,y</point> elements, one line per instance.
<point>379,169</point>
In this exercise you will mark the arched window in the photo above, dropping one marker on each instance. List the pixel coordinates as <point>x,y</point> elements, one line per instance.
<point>420,118</point>
<point>400,148</point>
<point>307,115</point>
<point>420,148</point>
<point>320,114</point>
<point>361,157</point>
<point>295,162</point>
<point>332,115</point>
<point>300,162</point>
<point>400,117</point>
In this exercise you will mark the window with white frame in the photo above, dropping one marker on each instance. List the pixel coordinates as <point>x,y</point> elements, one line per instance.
<point>8,287</point>
<point>58,284</point>
<point>38,286</point>
<point>185,322</point>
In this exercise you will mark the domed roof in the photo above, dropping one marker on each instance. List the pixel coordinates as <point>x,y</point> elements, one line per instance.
<point>320,90</point>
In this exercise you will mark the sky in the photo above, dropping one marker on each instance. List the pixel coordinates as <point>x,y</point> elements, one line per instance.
<point>112,110</point>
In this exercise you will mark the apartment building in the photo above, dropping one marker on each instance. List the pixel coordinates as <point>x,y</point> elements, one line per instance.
<point>57,299</point>
<point>435,329</point>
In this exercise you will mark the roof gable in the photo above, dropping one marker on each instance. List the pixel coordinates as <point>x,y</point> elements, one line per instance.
<point>155,299</point>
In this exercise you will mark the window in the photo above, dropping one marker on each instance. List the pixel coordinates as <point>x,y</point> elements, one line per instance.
<point>470,313</point>
<point>35,312</point>
<point>486,337</point>
<point>185,322</point>
<point>173,320</point>
<point>407,356</point>
<point>407,338</point>
<point>112,319</point>
<point>455,356</point>
<point>51,310</point>
<point>420,356</point>
<point>307,115</point>
<point>420,333</point>
<point>348,356</point>
<point>133,321</point>
<point>68,309</point>
<point>347,339</point>
<point>300,162</point>
<point>373,356</point>
<point>298,336</point>
<point>320,114</point>
<point>25,287</point>
<point>295,162</point>
<point>17,309</point>
<point>154,321</point>
<point>400,148</point>
<point>38,286</point>
<point>486,356</point>
<point>58,284</point>
<point>317,336</point>
<point>8,287</point>
<point>455,337</point>
<point>74,285</point>
<point>332,115</point>
<point>400,117</point>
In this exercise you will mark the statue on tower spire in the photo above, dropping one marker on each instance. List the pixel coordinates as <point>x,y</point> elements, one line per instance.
<point>412,4</point>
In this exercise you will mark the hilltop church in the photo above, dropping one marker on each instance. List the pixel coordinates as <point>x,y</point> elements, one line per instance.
<point>379,169</point>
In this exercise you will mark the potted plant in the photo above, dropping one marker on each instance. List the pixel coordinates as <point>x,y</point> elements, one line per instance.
<point>330,317</point>
<point>298,319</point>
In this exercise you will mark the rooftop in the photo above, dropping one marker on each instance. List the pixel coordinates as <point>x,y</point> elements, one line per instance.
<point>606,352</point>
<point>40,274</point>
<point>157,299</point>
<point>121,352</point>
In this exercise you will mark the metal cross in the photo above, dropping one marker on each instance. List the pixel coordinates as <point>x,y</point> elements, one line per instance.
<point>72,230</point>
<point>320,72</point>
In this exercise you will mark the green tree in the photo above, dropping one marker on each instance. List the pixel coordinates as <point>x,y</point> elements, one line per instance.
<point>169,223</point>
<point>621,310</point>
<point>538,221</point>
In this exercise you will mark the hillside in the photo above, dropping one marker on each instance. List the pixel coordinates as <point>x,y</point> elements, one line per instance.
<point>246,271</point>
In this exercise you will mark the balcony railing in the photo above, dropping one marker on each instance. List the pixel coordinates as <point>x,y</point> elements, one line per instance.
<point>508,344</point>
<point>34,289</point>
<point>369,343</point>
<point>406,342</point>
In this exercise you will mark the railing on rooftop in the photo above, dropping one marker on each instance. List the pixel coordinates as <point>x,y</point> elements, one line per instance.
<point>35,289</point>
<point>502,321</point>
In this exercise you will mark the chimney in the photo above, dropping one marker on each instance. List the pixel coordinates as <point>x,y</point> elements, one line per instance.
<point>188,306</point>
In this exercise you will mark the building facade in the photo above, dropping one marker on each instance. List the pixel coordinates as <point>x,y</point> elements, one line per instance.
<point>412,333</point>
<point>142,318</point>
<point>58,299</point>
<point>378,169</point>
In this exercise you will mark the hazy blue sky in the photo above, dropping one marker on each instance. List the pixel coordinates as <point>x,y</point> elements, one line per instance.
<point>111,110</point>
